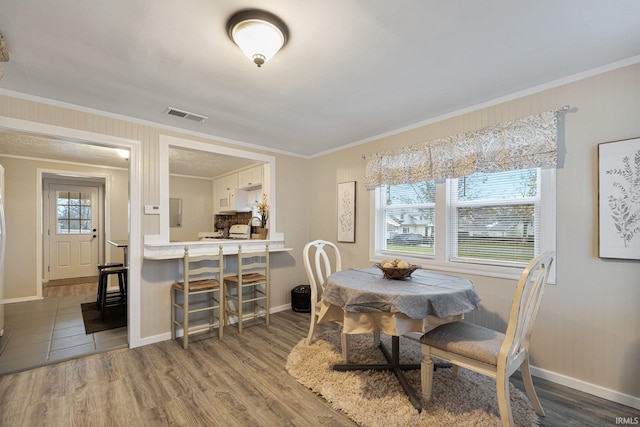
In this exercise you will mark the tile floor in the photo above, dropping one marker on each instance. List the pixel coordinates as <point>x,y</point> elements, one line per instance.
<point>51,330</point>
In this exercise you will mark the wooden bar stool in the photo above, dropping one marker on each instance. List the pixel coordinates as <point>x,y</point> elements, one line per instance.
<point>253,276</point>
<point>111,298</point>
<point>100,268</point>
<point>202,293</point>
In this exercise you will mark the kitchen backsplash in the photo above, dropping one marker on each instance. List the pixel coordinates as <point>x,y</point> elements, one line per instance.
<point>223,222</point>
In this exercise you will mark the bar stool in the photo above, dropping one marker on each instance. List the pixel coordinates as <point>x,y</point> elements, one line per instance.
<point>100,268</point>
<point>253,276</point>
<point>109,299</point>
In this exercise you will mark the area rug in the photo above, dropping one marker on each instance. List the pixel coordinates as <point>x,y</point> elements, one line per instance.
<point>115,317</point>
<point>374,398</point>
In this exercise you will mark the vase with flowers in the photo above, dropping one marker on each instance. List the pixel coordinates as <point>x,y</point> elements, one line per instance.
<point>263,210</point>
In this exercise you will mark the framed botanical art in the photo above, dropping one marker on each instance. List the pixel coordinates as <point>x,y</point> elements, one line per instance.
<point>347,212</point>
<point>619,199</point>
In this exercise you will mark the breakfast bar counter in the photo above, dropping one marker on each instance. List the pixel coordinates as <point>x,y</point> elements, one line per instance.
<point>174,250</point>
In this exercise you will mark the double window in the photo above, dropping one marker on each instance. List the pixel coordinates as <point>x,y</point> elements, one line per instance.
<point>491,224</point>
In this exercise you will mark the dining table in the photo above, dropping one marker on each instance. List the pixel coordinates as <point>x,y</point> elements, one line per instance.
<point>364,301</point>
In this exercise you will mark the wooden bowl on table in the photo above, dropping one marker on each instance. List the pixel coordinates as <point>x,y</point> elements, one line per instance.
<point>397,273</point>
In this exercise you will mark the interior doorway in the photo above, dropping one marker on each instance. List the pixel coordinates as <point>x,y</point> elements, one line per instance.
<point>134,207</point>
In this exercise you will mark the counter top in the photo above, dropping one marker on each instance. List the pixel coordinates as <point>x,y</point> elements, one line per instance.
<point>173,250</point>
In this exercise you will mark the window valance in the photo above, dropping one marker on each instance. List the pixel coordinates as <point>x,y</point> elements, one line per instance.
<point>525,143</point>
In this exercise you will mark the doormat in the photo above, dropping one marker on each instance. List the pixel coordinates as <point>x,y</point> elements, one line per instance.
<point>115,317</point>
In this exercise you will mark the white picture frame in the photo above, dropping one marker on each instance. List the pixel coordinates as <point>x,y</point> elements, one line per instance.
<point>347,212</point>
<point>619,199</point>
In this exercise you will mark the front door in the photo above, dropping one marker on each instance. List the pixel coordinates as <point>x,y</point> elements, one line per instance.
<point>73,231</point>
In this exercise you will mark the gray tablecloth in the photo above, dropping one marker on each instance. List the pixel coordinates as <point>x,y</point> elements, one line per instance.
<point>425,293</point>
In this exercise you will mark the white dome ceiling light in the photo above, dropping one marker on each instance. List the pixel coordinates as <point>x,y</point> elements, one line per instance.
<point>258,33</point>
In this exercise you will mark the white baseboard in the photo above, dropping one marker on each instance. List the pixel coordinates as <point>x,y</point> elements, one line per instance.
<point>605,393</point>
<point>167,336</point>
<point>154,339</point>
<point>21,299</point>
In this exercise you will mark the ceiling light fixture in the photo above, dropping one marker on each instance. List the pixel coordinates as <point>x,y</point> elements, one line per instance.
<point>123,153</point>
<point>258,33</point>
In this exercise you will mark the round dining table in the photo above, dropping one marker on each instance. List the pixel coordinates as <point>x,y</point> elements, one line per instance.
<point>364,301</point>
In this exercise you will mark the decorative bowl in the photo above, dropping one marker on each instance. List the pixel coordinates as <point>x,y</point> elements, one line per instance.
<point>396,273</point>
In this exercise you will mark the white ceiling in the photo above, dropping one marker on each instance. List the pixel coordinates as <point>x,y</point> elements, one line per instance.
<point>352,70</point>
<point>181,161</point>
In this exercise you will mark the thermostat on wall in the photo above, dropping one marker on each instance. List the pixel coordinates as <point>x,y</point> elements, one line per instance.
<point>151,209</point>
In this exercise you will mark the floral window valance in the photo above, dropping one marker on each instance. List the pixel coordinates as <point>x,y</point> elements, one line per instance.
<point>525,143</point>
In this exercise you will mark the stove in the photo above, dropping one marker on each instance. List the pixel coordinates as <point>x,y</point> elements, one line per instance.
<point>240,232</point>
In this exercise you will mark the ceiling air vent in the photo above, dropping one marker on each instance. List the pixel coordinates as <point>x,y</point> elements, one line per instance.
<point>185,114</point>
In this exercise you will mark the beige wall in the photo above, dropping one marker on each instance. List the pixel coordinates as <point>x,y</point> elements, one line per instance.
<point>21,184</point>
<point>589,324</point>
<point>197,206</point>
<point>156,276</point>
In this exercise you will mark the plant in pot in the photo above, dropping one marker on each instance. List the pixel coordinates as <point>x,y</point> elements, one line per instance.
<point>263,210</point>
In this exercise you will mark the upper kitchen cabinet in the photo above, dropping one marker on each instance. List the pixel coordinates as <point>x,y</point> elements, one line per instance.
<point>223,192</point>
<point>250,179</point>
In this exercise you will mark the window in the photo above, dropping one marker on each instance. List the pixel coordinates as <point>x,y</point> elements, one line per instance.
<point>409,218</point>
<point>494,217</point>
<point>481,223</point>
<point>74,212</point>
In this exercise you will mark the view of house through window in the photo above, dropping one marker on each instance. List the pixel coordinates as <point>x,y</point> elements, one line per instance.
<point>410,217</point>
<point>491,218</point>
<point>494,216</point>
<point>74,212</point>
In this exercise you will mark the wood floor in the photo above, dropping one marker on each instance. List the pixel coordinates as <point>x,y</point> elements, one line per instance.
<point>239,381</point>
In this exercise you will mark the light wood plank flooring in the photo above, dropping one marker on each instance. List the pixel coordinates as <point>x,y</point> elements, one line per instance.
<point>239,381</point>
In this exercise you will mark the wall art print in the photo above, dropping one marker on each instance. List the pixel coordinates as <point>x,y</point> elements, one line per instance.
<point>347,212</point>
<point>619,199</point>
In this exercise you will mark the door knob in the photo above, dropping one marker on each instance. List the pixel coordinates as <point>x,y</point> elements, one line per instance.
<point>94,236</point>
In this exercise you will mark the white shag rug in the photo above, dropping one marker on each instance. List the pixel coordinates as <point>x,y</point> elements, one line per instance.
<point>375,398</point>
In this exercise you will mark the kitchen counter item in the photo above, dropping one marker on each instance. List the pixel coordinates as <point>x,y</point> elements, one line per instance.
<point>240,232</point>
<point>207,235</point>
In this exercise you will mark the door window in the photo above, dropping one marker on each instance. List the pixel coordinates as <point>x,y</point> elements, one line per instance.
<point>74,212</point>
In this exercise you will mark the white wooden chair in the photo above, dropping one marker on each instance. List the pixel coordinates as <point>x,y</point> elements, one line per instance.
<point>489,352</point>
<point>253,275</point>
<point>202,275</point>
<point>317,273</point>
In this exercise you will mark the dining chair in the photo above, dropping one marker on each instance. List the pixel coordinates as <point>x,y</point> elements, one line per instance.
<point>202,291</point>
<point>319,252</point>
<point>253,275</point>
<point>489,352</point>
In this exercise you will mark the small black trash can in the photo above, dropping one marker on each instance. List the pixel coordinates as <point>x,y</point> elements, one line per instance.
<point>301,299</point>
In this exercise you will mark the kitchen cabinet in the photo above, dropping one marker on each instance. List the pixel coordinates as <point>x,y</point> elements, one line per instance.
<point>223,192</point>
<point>250,178</point>
<point>233,192</point>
